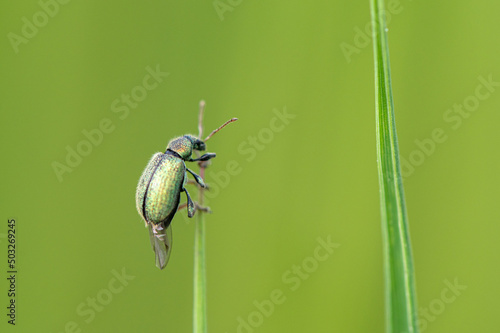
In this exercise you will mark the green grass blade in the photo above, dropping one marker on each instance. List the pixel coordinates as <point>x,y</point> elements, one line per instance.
<point>200,273</point>
<point>401,314</point>
<point>200,283</point>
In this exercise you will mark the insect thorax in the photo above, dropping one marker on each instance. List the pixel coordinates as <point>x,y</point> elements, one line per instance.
<point>183,146</point>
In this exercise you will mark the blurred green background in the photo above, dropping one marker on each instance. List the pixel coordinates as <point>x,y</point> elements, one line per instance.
<point>299,165</point>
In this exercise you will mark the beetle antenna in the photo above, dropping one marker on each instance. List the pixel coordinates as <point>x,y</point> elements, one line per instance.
<point>221,127</point>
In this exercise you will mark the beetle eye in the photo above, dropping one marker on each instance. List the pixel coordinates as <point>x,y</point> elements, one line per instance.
<point>202,146</point>
<point>199,145</point>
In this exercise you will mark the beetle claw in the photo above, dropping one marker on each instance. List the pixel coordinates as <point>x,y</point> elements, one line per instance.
<point>190,204</point>
<point>204,185</point>
<point>203,209</point>
<point>191,211</point>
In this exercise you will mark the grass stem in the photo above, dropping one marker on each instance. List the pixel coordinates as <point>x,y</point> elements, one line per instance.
<point>200,278</point>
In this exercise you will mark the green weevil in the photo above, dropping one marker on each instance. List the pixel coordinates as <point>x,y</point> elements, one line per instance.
<point>159,190</point>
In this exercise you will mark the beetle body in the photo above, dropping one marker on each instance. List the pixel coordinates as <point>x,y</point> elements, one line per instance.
<point>159,191</point>
<point>159,188</point>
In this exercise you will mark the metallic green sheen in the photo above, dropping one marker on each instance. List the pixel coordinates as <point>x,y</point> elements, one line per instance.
<point>183,146</point>
<point>158,192</point>
<point>163,194</point>
<point>144,182</point>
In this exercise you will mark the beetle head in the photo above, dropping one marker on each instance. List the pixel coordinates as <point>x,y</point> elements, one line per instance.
<point>198,144</point>
<point>185,145</point>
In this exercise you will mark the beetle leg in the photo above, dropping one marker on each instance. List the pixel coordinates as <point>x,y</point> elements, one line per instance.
<point>197,178</point>
<point>197,207</point>
<point>203,209</point>
<point>204,157</point>
<point>190,204</point>
<point>190,181</point>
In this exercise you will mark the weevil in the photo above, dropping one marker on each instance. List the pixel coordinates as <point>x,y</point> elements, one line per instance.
<point>161,184</point>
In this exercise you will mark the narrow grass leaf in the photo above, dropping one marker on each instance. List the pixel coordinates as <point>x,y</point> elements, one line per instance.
<point>400,295</point>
